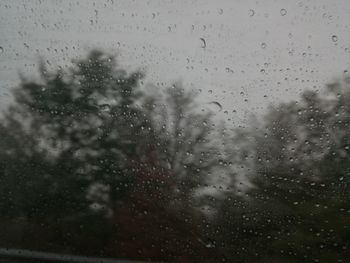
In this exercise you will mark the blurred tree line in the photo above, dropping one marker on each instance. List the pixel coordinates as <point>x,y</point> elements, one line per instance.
<point>92,164</point>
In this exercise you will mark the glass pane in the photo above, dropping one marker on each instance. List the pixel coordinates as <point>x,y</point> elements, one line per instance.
<point>181,131</point>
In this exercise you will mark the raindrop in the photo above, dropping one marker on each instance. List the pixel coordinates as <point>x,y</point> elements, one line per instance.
<point>221,11</point>
<point>251,12</point>
<point>217,104</point>
<point>204,43</point>
<point>229,70</point>
<point>210,245</point>
<point>283,12</point>
<point>1,50</point>
<point>263,45</point>
<point>105,107</point>
<point>334,38</point>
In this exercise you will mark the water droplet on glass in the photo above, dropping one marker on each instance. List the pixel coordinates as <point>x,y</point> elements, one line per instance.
<point>204,43</point>
<point>217,104</point>
<point>228,70</point>
<point>283,12</point>
<point>263,45</point>
<point>210,245</point>
<point>221,11</point>
<point>1,50</point>
<point>334,38</point>
<point>105,107</point>
<point>251,12</point>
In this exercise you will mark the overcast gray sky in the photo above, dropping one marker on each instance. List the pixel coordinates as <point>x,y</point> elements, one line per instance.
<point>257,52</point>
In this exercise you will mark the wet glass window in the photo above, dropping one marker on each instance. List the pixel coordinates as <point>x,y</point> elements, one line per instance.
<point>174,131</point>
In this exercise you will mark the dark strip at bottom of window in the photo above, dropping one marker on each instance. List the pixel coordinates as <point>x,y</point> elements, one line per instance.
<point>52,257</point>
